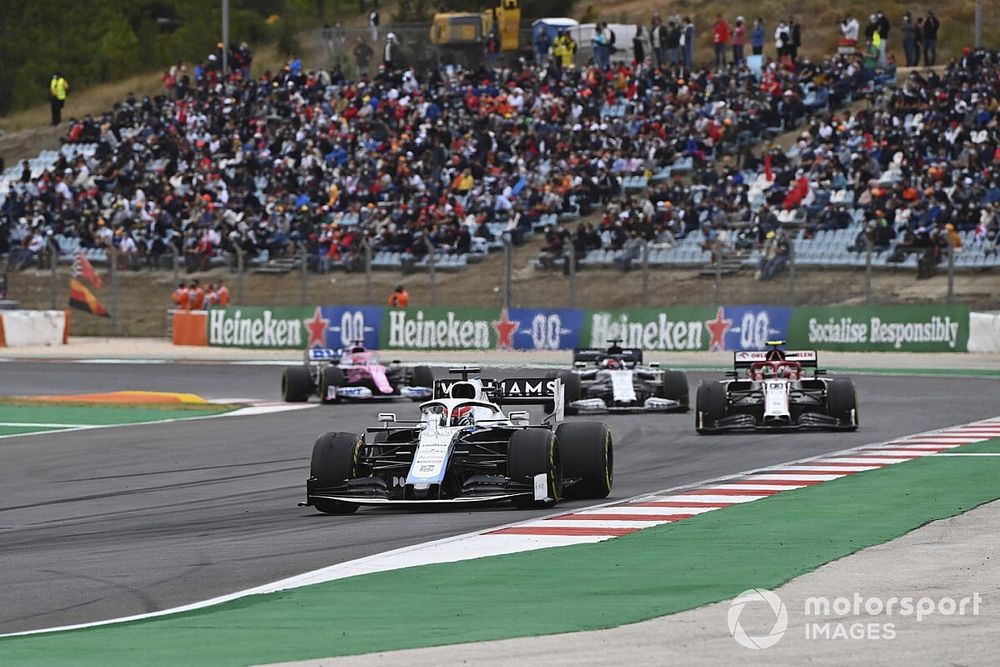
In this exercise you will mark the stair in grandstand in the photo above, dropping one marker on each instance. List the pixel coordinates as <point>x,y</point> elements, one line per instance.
<point>731,263</point>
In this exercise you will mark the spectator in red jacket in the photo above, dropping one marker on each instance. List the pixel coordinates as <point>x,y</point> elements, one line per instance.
<point>720,40</point>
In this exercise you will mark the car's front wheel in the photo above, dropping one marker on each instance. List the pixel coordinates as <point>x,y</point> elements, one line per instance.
<point>533,452</point>
<point>296,384</point>
<point>335,459</point>
<point>675,388</point>
<point>330,379</point>
<point>710,407</point>
<point>588,457</point>
<point>842,402</point>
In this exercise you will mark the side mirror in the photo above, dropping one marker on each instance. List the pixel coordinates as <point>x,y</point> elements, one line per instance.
<point>654,364</point>
<point>520,417</point>
<point>579,364</point>
<point>387,417</point>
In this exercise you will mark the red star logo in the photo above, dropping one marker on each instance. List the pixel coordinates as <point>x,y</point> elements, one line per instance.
<point>718,328</point>
<point>317,328</point>
<point>505,331</point>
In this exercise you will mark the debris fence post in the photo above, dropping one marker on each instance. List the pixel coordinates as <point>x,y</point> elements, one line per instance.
<point>54,268</point>
<point>431,267</point>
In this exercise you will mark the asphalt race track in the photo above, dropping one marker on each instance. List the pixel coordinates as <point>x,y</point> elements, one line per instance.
<point>106,523</point>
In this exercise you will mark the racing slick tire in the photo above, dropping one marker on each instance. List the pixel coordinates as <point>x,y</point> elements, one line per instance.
<point>422,376</point>
<point>842,403</point>
<point>571,391</point>
<point>710,406</point>
<point>296,384</point>
<point>331,376</point>
<point>675,388</point>
<point>534,452</point>
<point>335,459</point>
<point>588,454</point>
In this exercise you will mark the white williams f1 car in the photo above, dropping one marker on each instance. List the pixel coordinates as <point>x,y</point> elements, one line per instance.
<point>463,449</point>
<point>769,390</point>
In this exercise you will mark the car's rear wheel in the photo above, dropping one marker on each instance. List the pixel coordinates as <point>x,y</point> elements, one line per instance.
<point>422,376</point>
<point>334,461</point>
<point>296,384</point>
<point>535,452</point>
<point>571,390</point>
<point>710,406</point>
<point>675,388</point>
<point>330,377</point>
<point>842,402</point>
<point>587,454</point>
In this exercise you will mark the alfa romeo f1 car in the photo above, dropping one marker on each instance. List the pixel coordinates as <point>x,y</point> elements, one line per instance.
<point>616,380</point>
<point>464,449</point>
<point>769,389</point>
<point>353,374</point>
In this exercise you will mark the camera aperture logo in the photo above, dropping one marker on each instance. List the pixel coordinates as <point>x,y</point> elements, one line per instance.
<point>857,617</point>
<point>753,597</point>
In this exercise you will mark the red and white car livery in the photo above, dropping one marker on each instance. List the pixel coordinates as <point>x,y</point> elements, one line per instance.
<point>772,389</point>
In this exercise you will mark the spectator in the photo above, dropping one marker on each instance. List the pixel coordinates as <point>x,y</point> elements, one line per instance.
<point>882,23</point>
<point>658,41</point>
<point>930,32</point>
<point>849,28</point>
<point>181,297</point>
<point>687,43</point>
<point>543,42</point>
<point>782,41</point>
<point>373,21</point>
<point>739,40</point>
<point>400,298</point>
<point>222,294</point>
<point>363,54</point>
<point>631,251</point>
<point>673,44</point>
<point>774,255</point>
<point>639,45</point>
<point>757,37</point>
<point>795,39</point>
<point>720,40</point>
<point>58,89</point>
<point>389,52</point>
<point>910,48</point>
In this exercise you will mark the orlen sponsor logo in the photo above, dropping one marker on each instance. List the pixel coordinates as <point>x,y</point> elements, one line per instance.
<point>263,331</point>
<point>450,333</point>
<point>661,333</point>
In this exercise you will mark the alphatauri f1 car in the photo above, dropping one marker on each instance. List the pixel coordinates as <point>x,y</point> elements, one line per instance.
<point>464,449</point>
<point>353,374</point>
<point>769,390</point>
<point>616,380</point>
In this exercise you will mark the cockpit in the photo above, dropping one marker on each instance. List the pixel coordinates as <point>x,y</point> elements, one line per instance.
<point>770,370</point>
<point>461,414</point>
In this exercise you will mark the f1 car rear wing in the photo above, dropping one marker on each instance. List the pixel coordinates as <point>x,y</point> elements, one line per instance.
<point>442,388</point>
<point>588,355</point>
<point>323,354</point>
<point>744,359</point>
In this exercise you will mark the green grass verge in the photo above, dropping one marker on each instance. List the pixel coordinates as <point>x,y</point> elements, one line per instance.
<point>43,418</point>
<point>657,571</point>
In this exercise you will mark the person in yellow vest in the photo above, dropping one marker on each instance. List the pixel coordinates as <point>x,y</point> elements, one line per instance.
<point>58,88</point>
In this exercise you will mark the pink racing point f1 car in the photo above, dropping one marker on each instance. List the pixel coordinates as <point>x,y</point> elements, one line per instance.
<point>353,374</point>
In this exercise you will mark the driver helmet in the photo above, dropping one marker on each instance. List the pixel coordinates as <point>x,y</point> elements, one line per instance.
<point>611,363</point>
<point>462,416</point>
